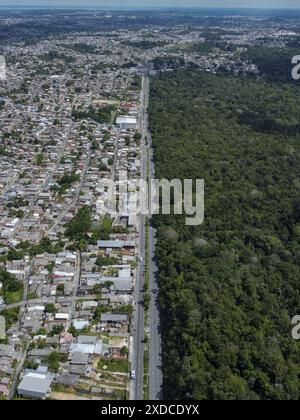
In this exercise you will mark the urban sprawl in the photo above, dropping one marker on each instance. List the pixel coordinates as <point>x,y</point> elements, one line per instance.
<point>76,298</point>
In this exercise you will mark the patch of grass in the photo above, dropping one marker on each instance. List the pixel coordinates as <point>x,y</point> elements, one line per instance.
<point>13,297</point>
<point>63,388</point>
<point>114,365</point>
<point>121,395</point>
<point>105,340</point>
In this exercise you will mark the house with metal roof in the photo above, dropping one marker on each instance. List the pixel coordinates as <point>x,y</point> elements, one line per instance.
<point>113,318</point>
<point>87,339</point>
<point>120,283</point>
<point>116,244</point>
<point>36,383</point>
<point>126,122</point>
<point>79,359</point>
<point>87,345</point>
<point>68,380</point>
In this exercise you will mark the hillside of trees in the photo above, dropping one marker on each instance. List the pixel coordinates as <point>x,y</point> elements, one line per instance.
<point>229,288</point>
<point>273,63</point>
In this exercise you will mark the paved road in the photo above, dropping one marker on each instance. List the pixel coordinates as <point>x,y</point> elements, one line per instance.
<point>138,348</point>
<point>7,188</point>
<point>155,356</point>
<point>75,289</point>
<point>19,369</point>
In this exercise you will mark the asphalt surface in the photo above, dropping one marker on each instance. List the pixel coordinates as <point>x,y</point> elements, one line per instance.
<point>155,352</point>
<point>76,286</point>
<point>19,369</point>
<point>138,348</point>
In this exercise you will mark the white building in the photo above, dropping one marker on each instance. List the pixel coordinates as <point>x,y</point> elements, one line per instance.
<point>36,384</point>
<point>127,122</point>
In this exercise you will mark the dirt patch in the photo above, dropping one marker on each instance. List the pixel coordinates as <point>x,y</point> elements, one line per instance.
<point>64,396</point>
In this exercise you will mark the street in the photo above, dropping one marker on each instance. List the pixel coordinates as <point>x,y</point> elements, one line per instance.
<point>138,350</point>
<point>155,357</point>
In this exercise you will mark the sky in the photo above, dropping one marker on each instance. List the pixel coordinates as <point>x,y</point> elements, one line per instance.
<point>140,4</point>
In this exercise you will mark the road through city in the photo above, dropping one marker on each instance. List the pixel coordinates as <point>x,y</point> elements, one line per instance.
<point>138,348</point>
<point>155,364</point>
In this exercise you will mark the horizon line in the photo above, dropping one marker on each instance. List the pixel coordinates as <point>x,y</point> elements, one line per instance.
<point>120,8</point>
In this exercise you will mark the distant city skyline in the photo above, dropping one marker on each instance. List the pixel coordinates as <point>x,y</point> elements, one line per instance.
<point>124,4</point>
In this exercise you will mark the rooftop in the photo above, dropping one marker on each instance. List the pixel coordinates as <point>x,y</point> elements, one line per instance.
<point>36,382</point>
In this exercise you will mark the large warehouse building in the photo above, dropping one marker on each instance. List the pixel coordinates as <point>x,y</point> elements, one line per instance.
<point>36,384</point>
<point>127,122</point>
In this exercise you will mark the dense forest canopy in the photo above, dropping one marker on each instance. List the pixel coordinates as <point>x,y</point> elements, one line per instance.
<point>229,288</point>
<point>273,63</point>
